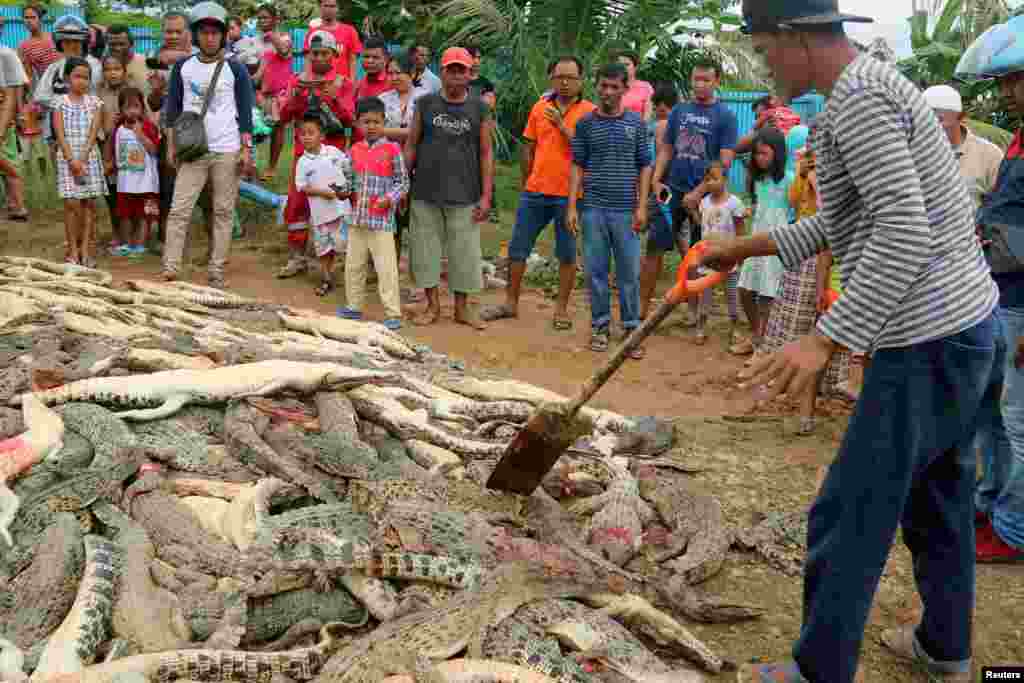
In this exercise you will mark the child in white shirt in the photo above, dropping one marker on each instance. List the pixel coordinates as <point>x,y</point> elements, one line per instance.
<point>324,175</point>
<point>721,214</point>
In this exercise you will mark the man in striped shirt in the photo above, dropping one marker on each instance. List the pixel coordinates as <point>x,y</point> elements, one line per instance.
<point>612,162</point>
<point>918,296</point>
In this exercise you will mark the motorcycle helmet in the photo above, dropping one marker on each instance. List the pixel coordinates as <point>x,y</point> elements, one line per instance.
<point>70,27</point>
<point>996,52</point>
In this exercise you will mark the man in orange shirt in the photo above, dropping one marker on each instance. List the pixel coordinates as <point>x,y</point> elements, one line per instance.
<point>545,167</point>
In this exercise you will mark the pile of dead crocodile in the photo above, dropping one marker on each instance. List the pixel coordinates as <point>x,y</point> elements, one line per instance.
<point>171,508</point>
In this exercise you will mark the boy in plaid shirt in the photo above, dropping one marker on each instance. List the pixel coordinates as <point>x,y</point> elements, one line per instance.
<point>381,182</point>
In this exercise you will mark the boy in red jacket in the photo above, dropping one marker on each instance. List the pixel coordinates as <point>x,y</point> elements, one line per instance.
<point>319,86</point>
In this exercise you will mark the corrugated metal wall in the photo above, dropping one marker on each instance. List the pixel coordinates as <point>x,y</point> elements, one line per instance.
<point>807,107</point>
<point>14,27</point>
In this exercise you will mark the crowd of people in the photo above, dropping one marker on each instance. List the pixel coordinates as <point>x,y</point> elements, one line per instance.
<point>883,229</point>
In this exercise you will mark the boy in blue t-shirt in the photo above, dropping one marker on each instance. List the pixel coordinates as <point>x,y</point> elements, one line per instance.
<point>699,132</point>
<point>612,160</point>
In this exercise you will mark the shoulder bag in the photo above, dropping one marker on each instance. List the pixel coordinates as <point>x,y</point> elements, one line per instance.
<point>189,131</point>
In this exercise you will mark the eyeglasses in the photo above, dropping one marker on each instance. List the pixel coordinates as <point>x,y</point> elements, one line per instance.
<point>567,79</point>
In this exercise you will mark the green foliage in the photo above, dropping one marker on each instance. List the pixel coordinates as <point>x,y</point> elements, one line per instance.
<point>939,35</point>
<point>997,136</point>
<point>524,36</point>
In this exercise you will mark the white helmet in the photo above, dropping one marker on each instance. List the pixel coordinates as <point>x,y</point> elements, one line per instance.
<point>945,98</point>
<point>324,40</point>
<point>208,11</point>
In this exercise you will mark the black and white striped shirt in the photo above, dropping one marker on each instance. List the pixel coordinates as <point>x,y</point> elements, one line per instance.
<point>895,213</point>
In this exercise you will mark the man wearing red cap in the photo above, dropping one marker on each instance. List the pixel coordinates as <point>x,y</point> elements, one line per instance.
<point>449,151</point>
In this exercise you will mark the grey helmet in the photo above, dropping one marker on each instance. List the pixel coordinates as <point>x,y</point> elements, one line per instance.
<point>208,11</point>
<point>69,27</point>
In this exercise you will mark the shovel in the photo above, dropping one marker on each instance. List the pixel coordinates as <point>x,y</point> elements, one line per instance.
<point>553,428</point>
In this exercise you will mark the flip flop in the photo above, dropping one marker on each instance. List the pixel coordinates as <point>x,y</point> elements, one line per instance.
<point>561,323</point>
<point>500,312</point>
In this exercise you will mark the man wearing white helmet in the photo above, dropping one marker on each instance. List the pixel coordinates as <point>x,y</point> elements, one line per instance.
<point>228,126</point>
<point>70,35</point>
<point>979,159</point>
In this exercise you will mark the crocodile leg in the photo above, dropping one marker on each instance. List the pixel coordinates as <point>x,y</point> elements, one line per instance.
<point>169,407</point>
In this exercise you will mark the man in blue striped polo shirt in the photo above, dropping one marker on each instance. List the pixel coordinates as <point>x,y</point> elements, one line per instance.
<point>613,160</point>
<point>918,297</point>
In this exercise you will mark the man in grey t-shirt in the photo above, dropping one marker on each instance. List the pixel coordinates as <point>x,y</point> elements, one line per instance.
<point>449,151</point>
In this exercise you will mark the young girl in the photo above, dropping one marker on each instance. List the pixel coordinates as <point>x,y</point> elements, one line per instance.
<point>768,183</point>
<point>722,214</point>
<point>109,90</point>
<point>323,174</point>
<point>795,310</point>
<point>134,147</point>
<point>77,120</point>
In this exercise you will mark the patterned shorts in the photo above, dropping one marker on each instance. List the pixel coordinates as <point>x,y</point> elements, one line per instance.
<point>330,237</point>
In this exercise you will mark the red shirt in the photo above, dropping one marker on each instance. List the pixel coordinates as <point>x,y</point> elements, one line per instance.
<point>368,88</point>
<point>348,44</point>
<point>342,104</point>
<point>277,73</point>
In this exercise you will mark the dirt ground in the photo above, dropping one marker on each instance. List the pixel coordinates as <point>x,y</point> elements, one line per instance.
<point>754,465</point>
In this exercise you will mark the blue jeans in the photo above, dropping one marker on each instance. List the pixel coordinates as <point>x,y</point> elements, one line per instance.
<point>900,463</point>
<point>1000,493</point>
<point>534,213</point>
<point>606,233</point>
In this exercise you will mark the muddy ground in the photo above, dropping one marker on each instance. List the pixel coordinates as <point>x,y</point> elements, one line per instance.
<point>757,465</point>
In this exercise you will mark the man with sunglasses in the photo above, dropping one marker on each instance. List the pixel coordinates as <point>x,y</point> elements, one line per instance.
<point>545,164</point>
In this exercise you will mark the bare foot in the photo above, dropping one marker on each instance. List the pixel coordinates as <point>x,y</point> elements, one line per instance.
<point>428,317</point>
<point>471,319</point>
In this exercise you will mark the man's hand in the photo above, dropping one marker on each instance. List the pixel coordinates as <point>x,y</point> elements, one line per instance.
<point>572,220</point>
<point>794,368</point>
<point>721,254</point>
<point>77,168</point>
<point>172,158</point>
<point>482,210</point>
<point>822,300</point>
<point>691,200</point>
<point>658,188</point>
<point>640,217</point>
<point>981,238</point>
<point>157,82</point>
<point>554,115</point>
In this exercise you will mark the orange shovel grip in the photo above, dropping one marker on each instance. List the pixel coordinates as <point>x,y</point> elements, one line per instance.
<point>831,296</point>
<point>684,287</point>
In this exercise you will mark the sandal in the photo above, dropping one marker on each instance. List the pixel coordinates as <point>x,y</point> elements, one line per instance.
<point>599,340</point>
<point>324,287</point>
<point>291,269</point>
<point>562,323</point>
<point>807,425</point>
<point>348,314</point>
<point>18,215</point>
<point>700,338</point>
<point>637,353</point>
